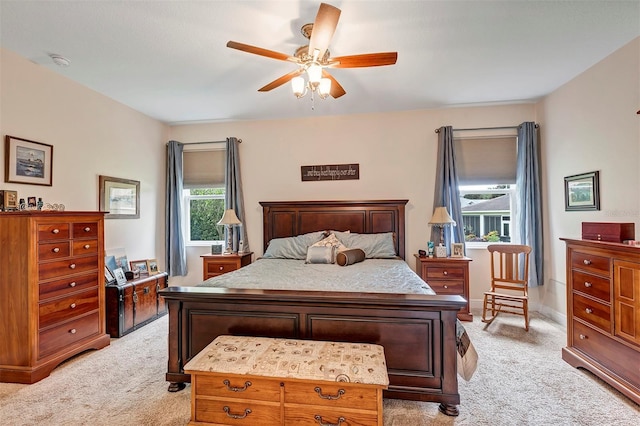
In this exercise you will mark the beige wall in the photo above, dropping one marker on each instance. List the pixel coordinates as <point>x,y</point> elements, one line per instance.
<point>396,153</point>
<point>91,135</point>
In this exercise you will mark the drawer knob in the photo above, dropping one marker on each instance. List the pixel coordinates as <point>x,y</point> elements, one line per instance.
<point>72,331</point>
<point>72,266</point>
<point>321,422</point>
<point>72,306</point>
<point>87,229</point>
<point>227,383</point>
<point>226,409</point>
<point>589,310</point>
<point>318,390</point>
<point>86,246</point>
<point>586,262</point>
<point>587,284</point>
<point>55,231</point>
<point>445,273</point>
<point>56,249</point>
<point>446,286</point>
<point>583,337</point>
<point>72,284</point>
<point>221,268</point>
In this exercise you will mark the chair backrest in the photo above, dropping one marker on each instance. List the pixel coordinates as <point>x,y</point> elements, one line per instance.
<point>509,267</point>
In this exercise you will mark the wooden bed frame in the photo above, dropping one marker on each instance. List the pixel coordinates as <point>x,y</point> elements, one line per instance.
<point>418,332</point>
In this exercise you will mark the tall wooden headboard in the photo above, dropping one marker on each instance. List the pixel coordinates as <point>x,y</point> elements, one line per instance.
<point>291,218</point>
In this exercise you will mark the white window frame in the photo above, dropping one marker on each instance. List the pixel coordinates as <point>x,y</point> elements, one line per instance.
<point>186,222</point>
<point>482,189</point>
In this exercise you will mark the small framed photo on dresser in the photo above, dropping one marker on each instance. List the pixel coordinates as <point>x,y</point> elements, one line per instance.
<point>457,249</point>
<point>120,276</point>
<point>140,265</point>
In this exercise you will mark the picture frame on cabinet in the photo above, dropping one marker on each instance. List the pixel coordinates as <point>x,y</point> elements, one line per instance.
<point>28,162</point>
<point>152,266</point>
<point>120,198</point>
<point>140,265</point>
<point>9,200</point>
<point>457,249</point>
<point>109,279</point>
<point>120,277</point>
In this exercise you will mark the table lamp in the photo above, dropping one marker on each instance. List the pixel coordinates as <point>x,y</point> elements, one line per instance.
<point>441,219</point>
<point>229,219</point>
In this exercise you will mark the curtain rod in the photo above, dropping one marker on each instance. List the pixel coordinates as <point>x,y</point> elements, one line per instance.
<point>484,128</point>
<point>198,143</point>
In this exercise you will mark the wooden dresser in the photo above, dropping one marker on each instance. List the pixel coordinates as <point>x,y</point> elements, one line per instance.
<point>52,290</point>
<point>263,381</point>
<point>603,312</point>
<point>218,264</point>
<point>447,275</point>
<point>135,304</point>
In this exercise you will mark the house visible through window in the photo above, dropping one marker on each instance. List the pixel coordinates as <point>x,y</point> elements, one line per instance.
<point>486,168</point>
<point>203,195</point>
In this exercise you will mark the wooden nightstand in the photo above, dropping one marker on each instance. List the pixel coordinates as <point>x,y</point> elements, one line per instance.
<point>447,275</point>
<point>218,264</point>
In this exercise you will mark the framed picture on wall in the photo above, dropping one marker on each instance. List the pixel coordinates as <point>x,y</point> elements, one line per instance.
<point>119,197</point>
<point>28,161</point>
<point>582,192</point>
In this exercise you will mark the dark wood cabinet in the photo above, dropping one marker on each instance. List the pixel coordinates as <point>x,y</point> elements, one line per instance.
<point>447,275</point>
<point>52,304</point>
<point>603,312</point>
<point>135,304</point>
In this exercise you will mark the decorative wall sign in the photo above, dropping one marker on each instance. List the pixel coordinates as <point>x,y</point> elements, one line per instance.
<point>330,172</point>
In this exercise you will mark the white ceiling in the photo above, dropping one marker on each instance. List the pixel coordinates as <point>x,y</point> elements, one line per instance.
<point>169,60</point>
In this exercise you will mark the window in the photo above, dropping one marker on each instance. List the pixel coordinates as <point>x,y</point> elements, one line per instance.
<point>203,195</point>
<point>203,209</point>
<point>487,177</point>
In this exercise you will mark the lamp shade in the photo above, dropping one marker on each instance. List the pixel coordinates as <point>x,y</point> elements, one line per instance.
<point>441,217</point>
<point>297,85</point>
<point>229,218</point>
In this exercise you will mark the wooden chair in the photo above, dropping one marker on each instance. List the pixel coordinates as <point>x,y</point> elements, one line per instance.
<point>509,276</point>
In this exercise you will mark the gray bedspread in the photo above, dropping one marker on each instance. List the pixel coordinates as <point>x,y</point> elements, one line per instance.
<point>370,276</point>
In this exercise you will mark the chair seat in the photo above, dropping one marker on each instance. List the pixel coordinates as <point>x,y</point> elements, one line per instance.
<point>505,296</point>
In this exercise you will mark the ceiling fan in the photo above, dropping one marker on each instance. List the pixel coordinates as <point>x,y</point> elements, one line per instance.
<point>315,58</point>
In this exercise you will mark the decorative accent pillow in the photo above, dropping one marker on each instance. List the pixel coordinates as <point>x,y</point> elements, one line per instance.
<point>349,257</point>
<point>331,241</point>
<point>320,254</point>
<point>375,246</point>
<point>292,247</point>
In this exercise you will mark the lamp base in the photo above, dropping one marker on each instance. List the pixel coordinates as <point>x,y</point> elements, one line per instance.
<point>440,251</point>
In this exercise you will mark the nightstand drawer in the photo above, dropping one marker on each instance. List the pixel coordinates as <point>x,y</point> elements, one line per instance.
<point>220,268</point>
<point>447,287</point>
<point>445,272</point>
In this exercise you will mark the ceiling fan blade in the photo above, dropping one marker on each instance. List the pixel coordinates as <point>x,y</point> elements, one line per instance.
<point>323,28</point>
<point>366,60</point>
<point>280,81</point>
<point>336,88</point>
<point>260,51</point>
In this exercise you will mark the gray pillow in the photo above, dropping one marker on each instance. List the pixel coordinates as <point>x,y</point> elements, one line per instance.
<point>320,254</point>
<point>292,247</point>
<point>375,246</point>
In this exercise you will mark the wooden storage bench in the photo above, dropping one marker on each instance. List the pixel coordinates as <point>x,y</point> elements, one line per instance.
<point>239,380</point>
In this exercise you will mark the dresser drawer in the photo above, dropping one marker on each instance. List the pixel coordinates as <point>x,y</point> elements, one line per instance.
<point>65,334</point>
<point>81,247</point>
<point>611,354</point>
<point>308,416</point>
<point>592,285</point>
<point>67,307</point>
<point>241,412</point>
<point>67,285</point>
<point>53,231</point>
<point>238,387</point>
<point>590,262</point>
<point>447,287</point>
<point>85,230</point>
<point>67,267</point>
<point>595,313</point>
<point>217,268</point>
<point>331,394</point>
<point>57,250</point>
<point>444,272</point>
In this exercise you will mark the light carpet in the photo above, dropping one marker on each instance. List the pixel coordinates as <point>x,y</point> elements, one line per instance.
<point>521,380</point>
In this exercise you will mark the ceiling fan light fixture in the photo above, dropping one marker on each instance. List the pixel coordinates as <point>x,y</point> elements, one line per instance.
<point>325,87</point>
<point>298,86</point>
<point>314,71</point>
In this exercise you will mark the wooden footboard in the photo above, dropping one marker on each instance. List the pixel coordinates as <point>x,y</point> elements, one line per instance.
<point>418,332</point>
